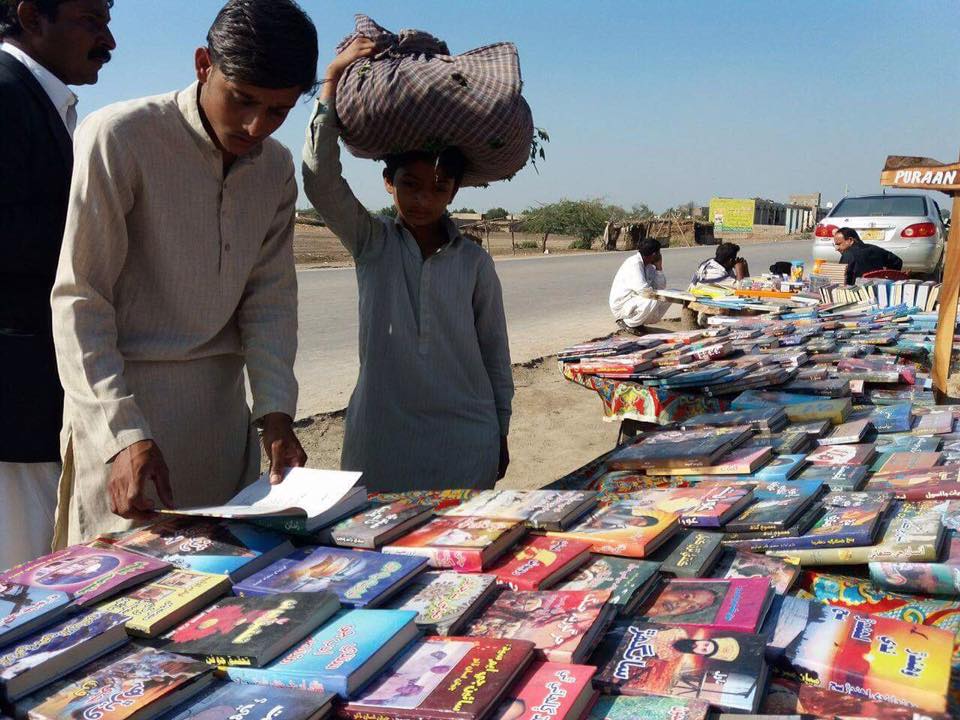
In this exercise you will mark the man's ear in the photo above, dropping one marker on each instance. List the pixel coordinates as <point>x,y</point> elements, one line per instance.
<point>29,16</point>
<point>388,184</point>
<point>203,64</point>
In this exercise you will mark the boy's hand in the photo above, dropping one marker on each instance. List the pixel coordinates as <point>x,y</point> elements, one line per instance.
<point>504,458</point>
<point>361,47</point>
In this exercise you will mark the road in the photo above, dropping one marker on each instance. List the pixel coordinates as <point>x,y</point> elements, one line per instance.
<point>551,302</point>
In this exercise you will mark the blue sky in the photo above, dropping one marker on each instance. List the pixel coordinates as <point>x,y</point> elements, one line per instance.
<point>654,102</point>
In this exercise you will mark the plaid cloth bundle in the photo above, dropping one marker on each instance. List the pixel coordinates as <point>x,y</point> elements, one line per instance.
<point>413,95</point>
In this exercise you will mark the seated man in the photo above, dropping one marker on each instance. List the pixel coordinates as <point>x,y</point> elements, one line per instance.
<point>861,258</point>
<point>633,297</point>
<point>724,268</point>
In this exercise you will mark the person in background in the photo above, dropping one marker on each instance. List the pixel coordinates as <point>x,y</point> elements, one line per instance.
<point>176,275</point>
<point>45,45</point>
<point>724,268</point>
<point>859,257</point>
<point>431,409</point>
<point>633,297</point>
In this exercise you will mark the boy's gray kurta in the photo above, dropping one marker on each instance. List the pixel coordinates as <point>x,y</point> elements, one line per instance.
<point>172,277</point>
<point>435,386</point>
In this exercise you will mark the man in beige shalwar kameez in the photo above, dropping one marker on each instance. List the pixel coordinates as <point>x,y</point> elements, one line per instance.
<point>176,274</point>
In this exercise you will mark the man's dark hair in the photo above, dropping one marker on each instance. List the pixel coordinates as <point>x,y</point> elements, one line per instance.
<point>10,23</point>
<point>686,645</point>
<point>726,253</point>
<point>648,247</point>
<point>781,267</point>
<point>266,43</point>
<point>850,234</point>
<point>451,161</point>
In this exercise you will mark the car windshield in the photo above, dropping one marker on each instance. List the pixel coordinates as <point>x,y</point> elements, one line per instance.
<point>881,206</point>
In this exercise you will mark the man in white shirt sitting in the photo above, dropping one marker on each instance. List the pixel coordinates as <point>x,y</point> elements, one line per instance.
<point>633,297</point>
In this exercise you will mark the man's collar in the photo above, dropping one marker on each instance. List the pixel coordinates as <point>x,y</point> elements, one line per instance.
<point>60,95</point>
<point>188,100</point>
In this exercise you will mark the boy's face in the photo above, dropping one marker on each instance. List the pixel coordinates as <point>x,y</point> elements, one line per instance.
<point>239,115</point>
<point>421,192</point>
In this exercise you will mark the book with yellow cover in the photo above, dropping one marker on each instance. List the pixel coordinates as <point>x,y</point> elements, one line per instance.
<point>156,607</point>
<point>628,528</point>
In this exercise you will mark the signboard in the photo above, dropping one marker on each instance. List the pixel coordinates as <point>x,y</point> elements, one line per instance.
<point>732,215</point>
<point>919,173</point>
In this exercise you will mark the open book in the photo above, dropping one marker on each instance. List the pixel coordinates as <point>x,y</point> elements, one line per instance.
<point>312,497</point>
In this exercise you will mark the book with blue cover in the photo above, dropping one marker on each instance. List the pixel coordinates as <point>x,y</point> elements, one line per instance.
<point>777,505</point>
<point>836,477</point>
<point>34,661</point>
<point>25,609</point>
<point>340,657</point>
<point>231,701</point>
<point>360,578</point>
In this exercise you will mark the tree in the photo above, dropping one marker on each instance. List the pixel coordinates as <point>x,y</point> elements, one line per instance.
<point>640,211</point>
<point>544,220</point>
<point>388,211</point>
<point>471,211</point>
<point>497,213</point>
<point>584,219</point>
<point>684,211</point>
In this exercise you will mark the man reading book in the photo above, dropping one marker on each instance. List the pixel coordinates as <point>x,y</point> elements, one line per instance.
<point>177,275</point>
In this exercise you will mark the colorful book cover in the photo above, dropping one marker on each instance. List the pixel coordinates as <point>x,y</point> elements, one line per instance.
<point>939,578</point>
<point>24,609</point>
<point>560,691</point>
<point>444,679</point>
<point>855,454</point>
<point>867,656</point>
<point>233,701</point>
<point>360,578</point>
<point>329,660</point>
<point>934,423</point>
<point>212,546</point>
<point>848,433</point>
<point>626,579</point>
<point>380,524</point>
<point>850,519</point>
<point>627,707</point>
<point>629,528</point>
<point>781,468</point>
<point>836,477</point>
<point>540,562</point>
<point>128,687</point>
<point>539,509</point>
<point>777,505</point>
<point>906,442</point>
<point>251,631</point>
<point>897,417</point>
<point>444,600</point>
<point>560,623</point>
<point>695,556</point>
<point>60,641</point>
<point>739,605</point>
<point>88,573</point>
<point>155,607</point>
<point>460,543</point>
<point>739,461</point>
<point>781,572</point>
<point>721,668</point>
<point>679,448</point>
<point>836,410</point>
<point>705,505</point>
<point>898,462</point>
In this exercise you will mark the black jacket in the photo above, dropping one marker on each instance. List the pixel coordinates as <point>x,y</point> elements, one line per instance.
<point>36,160</point>
<point>862,258</point>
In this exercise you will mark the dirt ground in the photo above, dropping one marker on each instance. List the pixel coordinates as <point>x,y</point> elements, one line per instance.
<point>557,426</point>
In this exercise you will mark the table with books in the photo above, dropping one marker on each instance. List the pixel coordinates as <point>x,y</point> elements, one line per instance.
<point>793,551</point>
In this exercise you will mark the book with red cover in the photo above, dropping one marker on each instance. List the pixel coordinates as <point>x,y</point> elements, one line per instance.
<point>444,678</point>
<point>540,562</point>
<point>738,604</point>
<point>465,544</point>
<point>564,625</point>
<point>558,691</point>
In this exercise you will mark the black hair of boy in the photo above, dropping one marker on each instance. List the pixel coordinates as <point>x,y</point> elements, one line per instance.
<point>450,161</point>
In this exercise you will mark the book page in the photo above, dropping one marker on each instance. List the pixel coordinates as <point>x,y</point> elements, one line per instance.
<point>303,491</point>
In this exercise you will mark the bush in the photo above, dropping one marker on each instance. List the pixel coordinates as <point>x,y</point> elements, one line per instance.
<point>527,245</point>
<point>581,244</point>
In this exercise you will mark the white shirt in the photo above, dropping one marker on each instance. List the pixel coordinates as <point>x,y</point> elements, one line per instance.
<point>631,295</point>
<point>60,95</point>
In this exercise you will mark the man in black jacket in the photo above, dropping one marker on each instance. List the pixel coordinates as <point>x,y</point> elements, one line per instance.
<point>861,258</point>
<point>45,45</point>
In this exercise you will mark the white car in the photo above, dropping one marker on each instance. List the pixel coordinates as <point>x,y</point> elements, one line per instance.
<point>909,226</point>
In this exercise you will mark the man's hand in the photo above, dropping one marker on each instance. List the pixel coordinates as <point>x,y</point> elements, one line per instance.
<point>133,469</point>
<point>504,458</point>
<point>741,269</point>
<point>361,47</point>
<point>281,445</point>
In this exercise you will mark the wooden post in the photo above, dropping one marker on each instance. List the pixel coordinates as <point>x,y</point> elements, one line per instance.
<point>921,173</point>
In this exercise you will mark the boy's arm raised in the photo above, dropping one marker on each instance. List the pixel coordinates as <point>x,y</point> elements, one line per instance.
<point>323,180</point>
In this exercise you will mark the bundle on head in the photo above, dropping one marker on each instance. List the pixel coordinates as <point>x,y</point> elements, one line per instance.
<point>414,96</point>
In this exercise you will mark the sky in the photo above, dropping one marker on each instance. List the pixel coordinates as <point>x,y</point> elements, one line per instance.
<point>645,102</point>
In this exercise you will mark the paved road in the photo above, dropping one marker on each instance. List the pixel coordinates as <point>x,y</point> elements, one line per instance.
<point>550,302</point>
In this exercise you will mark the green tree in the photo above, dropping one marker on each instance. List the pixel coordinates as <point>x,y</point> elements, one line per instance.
<point>388,211</point>
<point>465,210</point>
<point>640,211</point>
<point>497,213</point>
<point>584,219</point>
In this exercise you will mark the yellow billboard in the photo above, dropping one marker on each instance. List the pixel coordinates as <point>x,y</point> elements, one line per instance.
<point>732,215</point>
